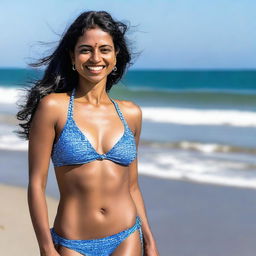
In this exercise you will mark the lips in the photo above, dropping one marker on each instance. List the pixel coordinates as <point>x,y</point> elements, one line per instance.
<point>95,68</point>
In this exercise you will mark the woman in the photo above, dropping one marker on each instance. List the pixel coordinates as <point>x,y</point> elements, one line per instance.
<point>92,140</point>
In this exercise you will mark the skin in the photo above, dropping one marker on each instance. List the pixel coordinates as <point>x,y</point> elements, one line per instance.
<point>99,198</point>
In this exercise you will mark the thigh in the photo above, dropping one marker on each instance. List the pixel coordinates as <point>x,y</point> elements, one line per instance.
<point>130,246</point>
<point>64,251</point>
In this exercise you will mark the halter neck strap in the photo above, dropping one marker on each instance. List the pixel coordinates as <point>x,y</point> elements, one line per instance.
<point>71,104</point>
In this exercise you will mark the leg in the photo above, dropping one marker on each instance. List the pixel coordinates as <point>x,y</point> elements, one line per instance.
<point>131,246</point>
<point>64,251</point>
<point>67,247</point>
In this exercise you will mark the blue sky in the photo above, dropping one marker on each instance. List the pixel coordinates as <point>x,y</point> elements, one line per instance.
<point>174,34</point>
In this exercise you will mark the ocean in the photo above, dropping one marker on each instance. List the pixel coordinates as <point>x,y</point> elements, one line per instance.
<point>198,125</point>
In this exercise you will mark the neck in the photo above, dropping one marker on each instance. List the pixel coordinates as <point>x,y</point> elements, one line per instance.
<point>94,94</point>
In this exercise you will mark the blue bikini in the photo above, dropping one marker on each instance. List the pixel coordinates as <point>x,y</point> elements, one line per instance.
<point>100,246</point>
<point>72,147</point>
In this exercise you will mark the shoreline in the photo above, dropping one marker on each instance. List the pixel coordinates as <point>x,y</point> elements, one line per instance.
<point>167,164</point>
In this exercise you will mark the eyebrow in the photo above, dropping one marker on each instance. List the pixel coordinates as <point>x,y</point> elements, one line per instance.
<point>86,45</point>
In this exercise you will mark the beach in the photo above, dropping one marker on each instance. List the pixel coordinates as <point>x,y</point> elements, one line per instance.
<point>16,231</point>
<point>188,67</point>
<point>196,161</point>
<point>187,218</point>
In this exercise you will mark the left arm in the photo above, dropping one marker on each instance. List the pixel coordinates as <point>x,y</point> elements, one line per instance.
<point>150,248</point>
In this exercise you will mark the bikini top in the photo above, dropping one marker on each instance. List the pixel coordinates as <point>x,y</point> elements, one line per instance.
<point>72,146</point>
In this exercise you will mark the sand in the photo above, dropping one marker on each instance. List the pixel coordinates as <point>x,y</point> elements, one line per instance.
<point>16,232</point>
<point>193,219</point>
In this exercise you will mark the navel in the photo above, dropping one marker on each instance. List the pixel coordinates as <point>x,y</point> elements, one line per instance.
<point>103,210</point>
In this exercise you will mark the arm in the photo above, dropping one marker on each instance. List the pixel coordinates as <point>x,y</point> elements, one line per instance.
<point>149,241</point>
<point>41,138</point>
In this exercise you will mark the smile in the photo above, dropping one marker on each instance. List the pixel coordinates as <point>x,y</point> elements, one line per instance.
<point>95,68</point>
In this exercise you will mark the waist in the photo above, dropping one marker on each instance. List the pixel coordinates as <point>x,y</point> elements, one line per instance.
<point>85,220</point>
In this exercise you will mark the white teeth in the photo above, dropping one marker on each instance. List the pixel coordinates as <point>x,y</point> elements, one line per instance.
<point>95,68</point>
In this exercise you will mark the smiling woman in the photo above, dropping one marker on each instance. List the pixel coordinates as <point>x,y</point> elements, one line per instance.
<point>92,140</point>
<point>92,56</point>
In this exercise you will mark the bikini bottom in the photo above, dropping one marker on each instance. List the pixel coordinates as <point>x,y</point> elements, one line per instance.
<point>101,246</point>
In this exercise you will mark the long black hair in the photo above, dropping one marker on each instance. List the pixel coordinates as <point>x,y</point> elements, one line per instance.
<point>59,76</point>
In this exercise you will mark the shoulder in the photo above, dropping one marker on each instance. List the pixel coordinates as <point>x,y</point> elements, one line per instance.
<point>130,109</point>
<point>52,105</point>
<point>53,101</point>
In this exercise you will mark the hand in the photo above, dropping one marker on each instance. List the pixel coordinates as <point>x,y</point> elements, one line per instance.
<point>151,250</point>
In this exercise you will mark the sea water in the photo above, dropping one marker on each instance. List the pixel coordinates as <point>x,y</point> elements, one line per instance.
<point>198,125</point>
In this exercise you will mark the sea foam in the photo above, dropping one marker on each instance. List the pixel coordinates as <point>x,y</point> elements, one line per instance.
<point>188,116</point>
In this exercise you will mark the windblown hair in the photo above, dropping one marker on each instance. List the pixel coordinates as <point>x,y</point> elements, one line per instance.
<point>59,76</point>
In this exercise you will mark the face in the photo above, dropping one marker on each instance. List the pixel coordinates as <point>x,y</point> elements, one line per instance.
<point>94,55</point>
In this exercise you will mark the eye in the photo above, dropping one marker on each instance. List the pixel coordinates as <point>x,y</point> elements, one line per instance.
<point>84,51</point>
<point>105,50</point>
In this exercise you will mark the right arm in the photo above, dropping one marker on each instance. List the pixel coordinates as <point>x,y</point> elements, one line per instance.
<point>41,137</point>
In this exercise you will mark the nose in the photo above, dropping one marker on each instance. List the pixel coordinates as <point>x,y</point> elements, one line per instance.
<point>95,57</point>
